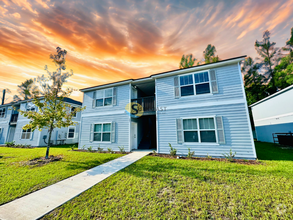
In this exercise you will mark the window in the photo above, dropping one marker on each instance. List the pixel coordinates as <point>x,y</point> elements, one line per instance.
<point>72,109</point>
<point>102,132</point>
<point>104,97</point>
<point>197,84</point>
<point>199,130</point>
<point>26,134</point>
<point>30,107</point>
<point>2,112</point>
<point>71,133</point>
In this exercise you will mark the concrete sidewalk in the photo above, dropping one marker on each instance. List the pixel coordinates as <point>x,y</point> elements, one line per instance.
<point>41,202</point>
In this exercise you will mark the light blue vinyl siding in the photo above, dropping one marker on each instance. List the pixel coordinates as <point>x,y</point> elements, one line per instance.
<point>121,132</point>
<point>122,101</point>
<point>236,128</point>
<point>17,135</point>
<point>265,133</point>
<point>229,86</point>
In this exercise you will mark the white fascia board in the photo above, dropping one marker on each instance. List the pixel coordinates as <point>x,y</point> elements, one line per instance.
<point>197,68</point>
<point>107,86</point>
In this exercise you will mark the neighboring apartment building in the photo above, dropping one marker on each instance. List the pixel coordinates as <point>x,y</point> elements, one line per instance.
<point>202,108</point>
<point>11,124</point>
<point>274,115</point>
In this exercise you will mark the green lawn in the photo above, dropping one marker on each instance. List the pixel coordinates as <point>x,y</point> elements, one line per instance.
<point>17,179</point>
<point>160,188</point>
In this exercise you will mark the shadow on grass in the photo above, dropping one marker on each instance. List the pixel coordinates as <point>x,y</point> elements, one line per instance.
<point>72,165</point>
<point>270,151</point>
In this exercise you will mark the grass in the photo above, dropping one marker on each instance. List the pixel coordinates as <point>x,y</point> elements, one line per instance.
<point>17,179</point>
<point>162,188</point>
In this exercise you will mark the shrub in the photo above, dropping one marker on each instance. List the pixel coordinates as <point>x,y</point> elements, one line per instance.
<point>72,147</point>
<point>10,144</point>
<point>230,156</point>
<point>190,153</point>
<point>100,150</point>
<point>110,150</point>
<point>209,157</point>
<point>154,153</point>
<point>122,150</point>
<point>90,149</point>
<point>173,151</point>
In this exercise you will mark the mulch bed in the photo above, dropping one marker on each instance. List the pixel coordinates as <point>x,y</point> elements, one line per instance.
<point>40,161</point>
<point>17,146</point>
<point>239,161</point>
<point>103,152</point>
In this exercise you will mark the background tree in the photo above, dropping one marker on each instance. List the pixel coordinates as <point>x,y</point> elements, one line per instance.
<point>209,54</point>
<point>25,90</point>
<point>187,61</point>
<point>253,81</point>
<point>270,56</point>
<point>52,112</point>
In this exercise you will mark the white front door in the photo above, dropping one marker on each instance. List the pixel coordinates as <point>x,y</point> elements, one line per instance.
<point>133,135</point>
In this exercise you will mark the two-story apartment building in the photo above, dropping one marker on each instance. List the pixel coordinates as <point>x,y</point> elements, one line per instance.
<point>12,123</point>
<point>202,108</point>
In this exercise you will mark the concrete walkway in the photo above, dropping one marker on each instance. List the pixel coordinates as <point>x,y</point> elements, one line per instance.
<point>41,202</point>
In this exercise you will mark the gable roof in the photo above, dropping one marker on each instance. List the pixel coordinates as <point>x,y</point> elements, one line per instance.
<point>272,96</point>
<point>168,73</point>
<point>69,100</point>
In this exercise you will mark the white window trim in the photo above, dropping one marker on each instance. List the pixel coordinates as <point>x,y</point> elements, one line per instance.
<point>26,107</point>
<point>4,112</point>
<point>102,123</point>
<point>25,132</point>
<point>198,131</point>
<point>71,132</point>
<point>194,84</point>
<point>104,97</point>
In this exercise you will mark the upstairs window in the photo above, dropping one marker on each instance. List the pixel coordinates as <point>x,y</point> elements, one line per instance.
<point>30,107</point>
<point>104,97</point>
<point>195,84</point>
<point>72,109</point>
<point>26,134</point>
<point>2,112</point>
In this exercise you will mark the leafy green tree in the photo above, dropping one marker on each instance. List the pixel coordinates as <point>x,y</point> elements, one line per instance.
<point>26,90</point>
<point>283,72</point>
<point>270,56</point>
<point>187,61</point>
<point>209,54</point>
<point>52,112</point>
<point>255,87</point>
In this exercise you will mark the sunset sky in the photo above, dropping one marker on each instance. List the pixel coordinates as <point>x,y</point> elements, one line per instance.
<point>109,40</point>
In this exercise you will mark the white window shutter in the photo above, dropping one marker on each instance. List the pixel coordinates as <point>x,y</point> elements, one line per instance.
<point>213,80</point>
<point>94,99</point>
<point>114,96</point>
<point>220,130</point>
<point>176,87</point>
<point>32,135</point>
<point>113,131</point>
<point>179,131</point>
<point>92,133</point>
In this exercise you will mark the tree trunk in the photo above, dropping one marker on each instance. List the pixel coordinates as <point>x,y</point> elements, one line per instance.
<point>49,142</point>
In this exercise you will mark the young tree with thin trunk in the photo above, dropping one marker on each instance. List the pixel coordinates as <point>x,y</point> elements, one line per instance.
<point>52,112</point>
